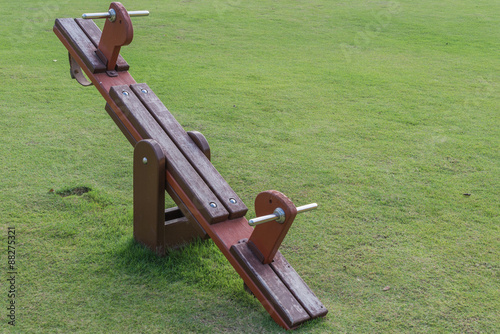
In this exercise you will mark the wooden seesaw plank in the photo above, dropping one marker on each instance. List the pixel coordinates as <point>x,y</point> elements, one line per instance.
<point>81,48</point>
<point>194,155</point>
<point>80,42</point>
<point>298,287</point>
<point>196,188</point>
<point>275,291</point>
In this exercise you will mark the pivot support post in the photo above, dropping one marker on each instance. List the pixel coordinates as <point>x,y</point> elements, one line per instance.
<point>154,227</point>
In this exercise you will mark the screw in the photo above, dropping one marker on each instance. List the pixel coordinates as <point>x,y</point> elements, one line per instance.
<point>232,201</point>
<point>213,204</point>
<point>145,160</point>
<point>125,93</point>
<point>145,91</point>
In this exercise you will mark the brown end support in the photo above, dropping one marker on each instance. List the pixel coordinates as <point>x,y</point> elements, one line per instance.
<point>157,228</point>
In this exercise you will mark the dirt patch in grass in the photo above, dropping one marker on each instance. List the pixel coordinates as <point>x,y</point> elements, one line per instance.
<point>78,191</point>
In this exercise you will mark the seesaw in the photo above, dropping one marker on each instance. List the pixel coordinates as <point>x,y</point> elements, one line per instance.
<point>167,158</point>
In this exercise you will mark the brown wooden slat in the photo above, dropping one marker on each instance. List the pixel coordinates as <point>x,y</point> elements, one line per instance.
<point>94,34</point>
<point>179,167</point>
<point>298,287</point>
<point>191,151</point>
<point>120,125</point>
<point>80,42</point>
<point>271,286</point>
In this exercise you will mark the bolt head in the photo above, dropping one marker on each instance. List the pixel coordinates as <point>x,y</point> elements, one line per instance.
<point>144,91</point>
<point>125,93</point>
<point>280,213</point>
<point>112,15</point>
<point>213,204</point>
<point>232,201</point>
<point>145,160</point>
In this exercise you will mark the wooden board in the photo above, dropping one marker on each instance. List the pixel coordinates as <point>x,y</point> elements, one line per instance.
<point>276,292</point>
<point>80,42</point>
<point>181,170</point>
<point>191,151</point>
<point>298,287</point>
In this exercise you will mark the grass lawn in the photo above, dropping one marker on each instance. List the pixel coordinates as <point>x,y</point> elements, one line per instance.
<point>385,113</point>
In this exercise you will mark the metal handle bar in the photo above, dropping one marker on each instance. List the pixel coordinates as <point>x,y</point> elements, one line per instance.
<point>279,215</point>
<point>111,14</point>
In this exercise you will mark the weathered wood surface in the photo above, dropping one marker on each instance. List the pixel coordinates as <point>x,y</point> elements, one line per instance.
<point>225,234</point>
<point>298,287</point>
<point>272,287</point>
<point>119,122</point>
<point>177,164</point>
<point>190,150</point>
<point>80,42</point>
<point>70,36</point>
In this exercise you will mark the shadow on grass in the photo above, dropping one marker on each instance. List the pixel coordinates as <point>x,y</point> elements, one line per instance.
<point>199,264</point>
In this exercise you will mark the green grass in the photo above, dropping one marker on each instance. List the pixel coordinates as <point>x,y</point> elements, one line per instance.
<point>385,113</point>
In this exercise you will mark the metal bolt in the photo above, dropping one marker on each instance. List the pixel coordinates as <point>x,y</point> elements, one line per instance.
<point>112,15</point>
<point>213,204</point>
<point>232,201</point>
<point>145,91</point>
<point>145,160</point>
<point>125,93</point>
